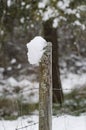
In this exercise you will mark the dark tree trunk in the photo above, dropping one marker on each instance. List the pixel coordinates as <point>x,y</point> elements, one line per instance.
<point>50,34</point>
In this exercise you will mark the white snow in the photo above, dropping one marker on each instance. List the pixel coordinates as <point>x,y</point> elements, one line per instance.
<point>12,82</point>
<point>13,61</point>
<point>1,70</point>
<point>1,32</point>
<point>9,68</point>
<point>72,81</point>
<point>22,20</point>
<point>54,13</point>
<point>49,13</point>
<point>56,21</point>
<point>22,3</point>
<point>78,15</point>
<point>82,8</point>
<point>63,4</point>
<point>79,24</point>
<point>41,5</point>
<point>70,11</point>
<point>19,66</point>
<point>45,1</point>
<point>29,90</point>
<point>27,6</point>
<point>36,49</point>
<point>9,3</point>
<point>65,122</point>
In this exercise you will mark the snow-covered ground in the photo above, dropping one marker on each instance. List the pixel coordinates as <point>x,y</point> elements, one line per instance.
<point>65,122</point>
<point>71,81</point>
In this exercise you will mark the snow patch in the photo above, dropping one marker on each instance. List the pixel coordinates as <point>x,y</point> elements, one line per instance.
<point>9,3</point>
<point>72,81</point>
<point>50,13</point>
<point>22,20</point>
<point>41,5</point>
<point>1,32</point>
<point>56,21</point>
<point>79,24</point>
<point>22,3</point>
<point>67,122</point>
<point>27,6</point>
<point>63,4</point>
<point>13,61</point>
<point>9,68</point>
<point>78,15</point>
<point>36,49</point>
<point>12,82</point>
<point>45,1</point>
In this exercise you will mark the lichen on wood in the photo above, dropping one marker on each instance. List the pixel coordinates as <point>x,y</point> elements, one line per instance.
<point>45,90</point>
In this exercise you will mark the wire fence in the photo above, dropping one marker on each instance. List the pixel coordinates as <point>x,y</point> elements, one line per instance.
<point>59,115</point>
<point>63,112</point>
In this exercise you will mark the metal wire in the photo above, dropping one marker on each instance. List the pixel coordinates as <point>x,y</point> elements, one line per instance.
<point>27,126</point>
<point>58,115</point>
<point>63,113</point>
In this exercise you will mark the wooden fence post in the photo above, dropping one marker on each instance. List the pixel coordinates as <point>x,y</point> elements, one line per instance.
<point>45,90</point>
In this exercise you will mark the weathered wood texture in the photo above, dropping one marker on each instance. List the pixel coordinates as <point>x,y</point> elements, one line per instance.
<point>45,90</point>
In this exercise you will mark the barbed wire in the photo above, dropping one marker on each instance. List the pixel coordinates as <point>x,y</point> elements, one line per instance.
<point>58,115</point>
<point>54,89</point>
<point>61,113</point>
<point>27,126</point>
<point>67,89</point>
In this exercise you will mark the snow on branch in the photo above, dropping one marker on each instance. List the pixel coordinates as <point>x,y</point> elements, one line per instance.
<point>36,49</point>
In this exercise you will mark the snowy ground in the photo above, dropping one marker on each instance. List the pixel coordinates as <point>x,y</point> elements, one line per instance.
<point>65,122</point>
<point>71,81</point>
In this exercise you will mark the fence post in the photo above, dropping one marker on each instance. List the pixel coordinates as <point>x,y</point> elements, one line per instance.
<point>45,90</point>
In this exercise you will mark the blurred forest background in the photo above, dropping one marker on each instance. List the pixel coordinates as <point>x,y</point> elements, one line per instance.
<point>21,21</point>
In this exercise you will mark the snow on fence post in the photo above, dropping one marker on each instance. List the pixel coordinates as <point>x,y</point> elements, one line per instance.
<point>40,52</point>
<point>45,90</point>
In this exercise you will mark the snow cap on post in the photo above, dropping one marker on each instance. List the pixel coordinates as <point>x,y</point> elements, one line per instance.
<point>36,49</point>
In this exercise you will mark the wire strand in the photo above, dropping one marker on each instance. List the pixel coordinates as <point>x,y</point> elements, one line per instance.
<point>27,126</point>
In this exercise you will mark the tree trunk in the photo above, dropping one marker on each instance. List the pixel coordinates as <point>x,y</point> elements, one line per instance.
<point>50,34</point>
